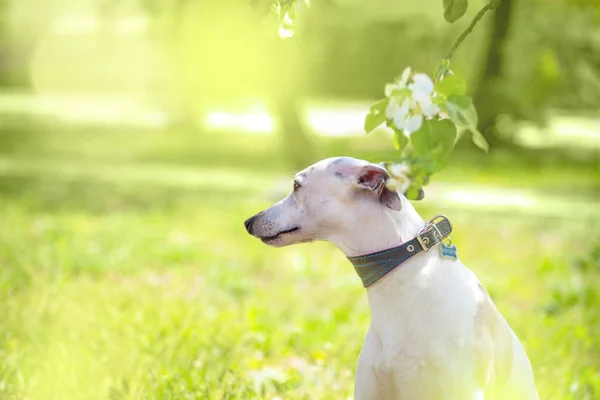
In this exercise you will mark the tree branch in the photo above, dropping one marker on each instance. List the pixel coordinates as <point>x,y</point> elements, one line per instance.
<point>490,6</point>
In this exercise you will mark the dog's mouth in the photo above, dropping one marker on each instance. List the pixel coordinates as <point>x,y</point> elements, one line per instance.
<point>267,239</point>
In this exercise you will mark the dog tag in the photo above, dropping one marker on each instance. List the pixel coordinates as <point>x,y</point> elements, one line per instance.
<point>449,252</point>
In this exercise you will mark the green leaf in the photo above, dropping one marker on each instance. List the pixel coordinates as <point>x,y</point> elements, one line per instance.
<point>292,13</point>
<point>466,119</point>
<point>446,141</point>
<point>381,105</point>
<point>442,69</point>
<point>470,115</point>
<point>479,140</point>
<point>433,134</point>
<point>422,140</point>
<point>495,3</point>
<point>451,86</point>
<point>287,20</point>
<point>463,117</point>
<point>400,140</point>
<point>412,193</point>
<point>373,120</point>
<point>461,101</point>
<point>376,115</point>
<point>405,92</point>
<point>454,9</point>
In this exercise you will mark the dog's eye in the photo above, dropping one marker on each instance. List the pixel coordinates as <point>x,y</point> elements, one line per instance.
<point>296,186</point>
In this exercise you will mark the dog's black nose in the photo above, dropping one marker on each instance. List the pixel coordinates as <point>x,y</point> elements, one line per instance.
<point>249,222</point>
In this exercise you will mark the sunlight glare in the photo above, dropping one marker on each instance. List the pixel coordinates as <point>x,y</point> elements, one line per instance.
<point>490,198</point>
<point>85,24</point>
<point>252,122</point>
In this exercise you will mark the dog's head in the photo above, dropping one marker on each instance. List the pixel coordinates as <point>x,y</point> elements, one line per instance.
<point>326,199</point>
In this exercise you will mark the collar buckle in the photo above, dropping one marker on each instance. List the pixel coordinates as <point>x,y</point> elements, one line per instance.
<point>430,235</point>
<point>424,240</point>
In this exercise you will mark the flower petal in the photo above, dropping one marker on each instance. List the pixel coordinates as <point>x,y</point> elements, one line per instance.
<point>400,114</point>
<point>392,184</point>
<point>400,170</point>
<point>411,104</point>
<point>391,108</point>
<point>421,84</point>
<point>405,76</point>
<point>407,104</point>
<point>403,187</point>
<point>413,123</point>
<point>397,185</point>
<point>399,123</point>
<point>431,111</point>
<point>423,99</point>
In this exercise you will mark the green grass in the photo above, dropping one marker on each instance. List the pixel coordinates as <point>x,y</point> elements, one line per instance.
<point>117,283</point>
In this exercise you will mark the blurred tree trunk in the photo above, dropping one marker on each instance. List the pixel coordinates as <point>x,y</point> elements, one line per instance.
<point>167,16</point>
<point>488,97</point>
<point>297,148</point>
<point>287,73</point>
<point>283,89</point>
<point>4,45</point>
<point>14,56</point>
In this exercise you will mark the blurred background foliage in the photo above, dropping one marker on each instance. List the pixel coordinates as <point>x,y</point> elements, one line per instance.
<point>531,60</point>
<point>137,135</point>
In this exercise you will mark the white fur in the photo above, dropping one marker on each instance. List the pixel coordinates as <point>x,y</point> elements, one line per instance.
<point>435,333</point>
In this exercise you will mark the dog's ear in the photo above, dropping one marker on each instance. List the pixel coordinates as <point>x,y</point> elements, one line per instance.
<point>372,178</point>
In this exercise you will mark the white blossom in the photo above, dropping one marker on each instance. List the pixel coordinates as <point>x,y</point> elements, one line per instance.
<point>408,113</point>
<point>400,83</point>
<point>422,84</point>
<point>397,112</point>
<point>413,123</point>
<point>399,179</point>
<point>401,170</point>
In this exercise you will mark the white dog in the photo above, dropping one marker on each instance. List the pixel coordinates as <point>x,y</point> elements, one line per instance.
<point>435,333</point>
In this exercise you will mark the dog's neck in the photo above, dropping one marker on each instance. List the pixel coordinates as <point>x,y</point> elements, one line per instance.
<point>381,229</point>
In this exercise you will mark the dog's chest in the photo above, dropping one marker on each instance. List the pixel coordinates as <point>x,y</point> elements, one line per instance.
<point>427,326</point>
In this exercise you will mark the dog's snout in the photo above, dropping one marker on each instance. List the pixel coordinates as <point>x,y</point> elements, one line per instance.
<point>248,223</point>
